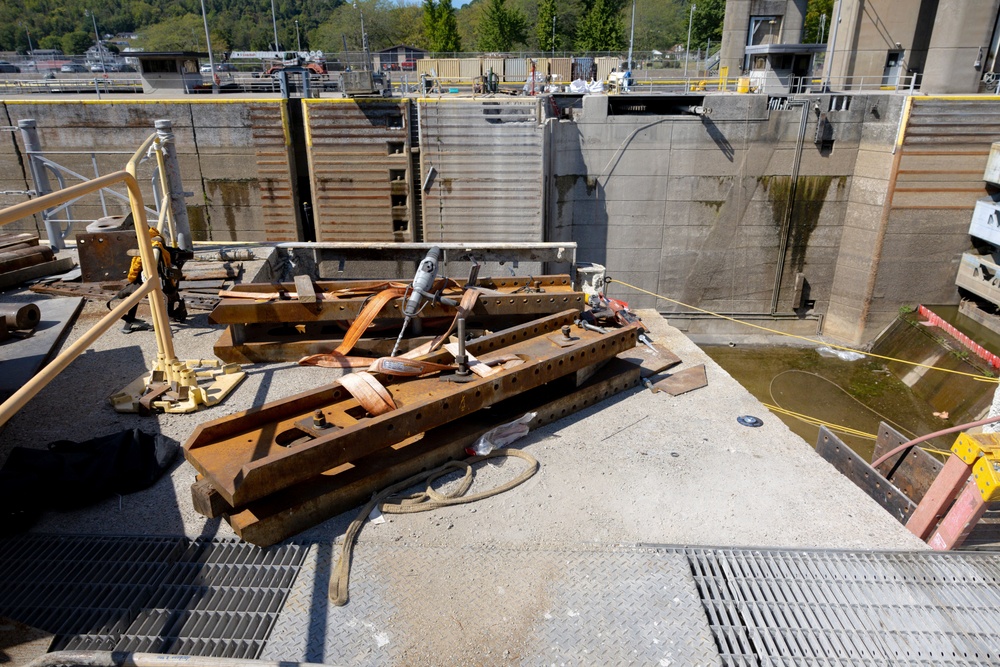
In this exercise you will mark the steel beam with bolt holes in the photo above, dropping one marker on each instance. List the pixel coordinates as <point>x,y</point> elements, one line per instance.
<point>258,452</point>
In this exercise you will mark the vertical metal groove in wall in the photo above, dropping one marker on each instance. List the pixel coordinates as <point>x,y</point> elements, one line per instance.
<point>157,595</point>
<point>416,173</point>
<point>487,157</point>
<point>849,608</point>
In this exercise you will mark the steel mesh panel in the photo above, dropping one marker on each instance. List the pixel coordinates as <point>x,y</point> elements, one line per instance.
<point>156,595</point>
<point>850,608</point>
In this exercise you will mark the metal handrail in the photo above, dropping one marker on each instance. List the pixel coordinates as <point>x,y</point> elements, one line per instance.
<point>166,362</point>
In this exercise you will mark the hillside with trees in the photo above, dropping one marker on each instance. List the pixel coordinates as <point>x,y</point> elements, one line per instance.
<point>580,26</point>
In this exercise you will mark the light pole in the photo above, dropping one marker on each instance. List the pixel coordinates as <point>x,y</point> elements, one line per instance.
<point>687,50</point>
<point>553,35</point>
<point>208,43</point>
<point>822,28</point>
<point>298,40</point>
<point>100,54</point>
<point>30,47</point>
<point>274,22</point>
<point>631,40</point>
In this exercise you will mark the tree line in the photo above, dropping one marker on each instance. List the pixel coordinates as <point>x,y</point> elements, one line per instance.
<point>576,26</point>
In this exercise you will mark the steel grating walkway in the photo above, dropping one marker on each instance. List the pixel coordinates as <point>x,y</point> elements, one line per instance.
<point>146,594</point>
<point>656,605</point>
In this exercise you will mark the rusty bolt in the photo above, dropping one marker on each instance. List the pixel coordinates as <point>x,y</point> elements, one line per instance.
<point>565,331</point>
<point>319,419</point>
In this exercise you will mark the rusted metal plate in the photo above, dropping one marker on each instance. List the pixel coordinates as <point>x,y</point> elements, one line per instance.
<point>245,459</point>
<point>915,473</point>
<point>269,520</point>
<point>516,299</point>
<point>104,255</point>
<point>651,362</point>
<point>683,381</point>
<point>869,480</point>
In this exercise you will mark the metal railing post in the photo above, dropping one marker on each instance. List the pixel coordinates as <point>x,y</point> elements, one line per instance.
<point>29,134</point>
<point>175,196</point>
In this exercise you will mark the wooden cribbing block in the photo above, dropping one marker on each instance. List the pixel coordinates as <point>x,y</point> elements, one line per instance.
<point>960,520</point>
<point>304,289</point>
<point>939,497</point>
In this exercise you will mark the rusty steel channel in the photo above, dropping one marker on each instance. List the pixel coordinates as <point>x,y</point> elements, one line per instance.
<point>556,294</point>
<point>258,452</point>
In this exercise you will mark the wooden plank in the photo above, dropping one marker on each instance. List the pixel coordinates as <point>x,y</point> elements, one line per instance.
<point>304,289</point>
<point>21,359</point>
<point>935,503</point>
<point>278,517</point>
<point>26,238</point>
<point>917,471</point>
<point>960,520</point>
<point>869,480</point>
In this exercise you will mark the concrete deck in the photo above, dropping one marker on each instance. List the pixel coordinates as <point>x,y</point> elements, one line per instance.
<point>636,469</point>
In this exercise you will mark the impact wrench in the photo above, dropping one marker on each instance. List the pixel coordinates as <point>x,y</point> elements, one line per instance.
<point>420,289</point>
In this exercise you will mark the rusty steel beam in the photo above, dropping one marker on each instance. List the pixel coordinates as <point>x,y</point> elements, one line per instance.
<point>258,452</point>
<point>557,295</point>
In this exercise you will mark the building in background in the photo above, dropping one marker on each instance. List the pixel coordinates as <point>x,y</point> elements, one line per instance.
<point>941,46</point>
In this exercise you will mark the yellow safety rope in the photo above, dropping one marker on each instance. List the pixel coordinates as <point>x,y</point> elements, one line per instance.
<point>978,378</point>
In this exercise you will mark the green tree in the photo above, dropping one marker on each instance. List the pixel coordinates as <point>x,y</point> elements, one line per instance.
<point>448,39</point>
<point>76,42</point>
<point>706,23</point>
<point>431,24</point>
<point>501,28</point>
<point>50,42</point>
<point>814,10</point>
<point>184,33</point>
<point>601,28</point>
<point>545,29</point>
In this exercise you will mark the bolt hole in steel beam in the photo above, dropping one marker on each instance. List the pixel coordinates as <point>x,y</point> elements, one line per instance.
<point>242,471</point>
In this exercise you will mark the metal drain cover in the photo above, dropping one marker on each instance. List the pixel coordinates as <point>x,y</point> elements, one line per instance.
<point>749,420</point>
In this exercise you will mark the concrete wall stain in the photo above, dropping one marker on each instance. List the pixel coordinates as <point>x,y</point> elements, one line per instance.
<point>810,196</point>
<point>233,193</point>
<point>198,224</point>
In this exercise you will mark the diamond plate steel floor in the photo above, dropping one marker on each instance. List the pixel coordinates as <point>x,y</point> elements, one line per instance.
<point>648,605</point>
<point>495,606</point>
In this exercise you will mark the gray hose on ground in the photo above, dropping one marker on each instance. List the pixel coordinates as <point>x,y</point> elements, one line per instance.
<point>421,502</point>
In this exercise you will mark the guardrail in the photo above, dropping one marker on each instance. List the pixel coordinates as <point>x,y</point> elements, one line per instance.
<point>166,362</point>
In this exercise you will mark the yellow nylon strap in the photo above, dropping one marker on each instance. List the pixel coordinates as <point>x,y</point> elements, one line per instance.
<point>367,391</point>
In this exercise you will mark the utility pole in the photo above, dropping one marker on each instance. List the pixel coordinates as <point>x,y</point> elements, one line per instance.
<point>687,51</point>
<point>274,22</point>
<point>822,28</point>
<point>208,43</point>
<point>553,36</point>
<point>298,39</point>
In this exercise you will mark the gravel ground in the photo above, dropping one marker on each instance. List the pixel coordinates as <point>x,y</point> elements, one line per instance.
<point>637,468</point>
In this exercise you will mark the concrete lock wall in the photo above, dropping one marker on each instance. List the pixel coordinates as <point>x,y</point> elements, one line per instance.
<point>233,155</point>
<point>699,208</point>
<point>826,213</point>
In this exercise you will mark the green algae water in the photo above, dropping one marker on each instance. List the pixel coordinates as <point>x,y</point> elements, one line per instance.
<point>859,394</point>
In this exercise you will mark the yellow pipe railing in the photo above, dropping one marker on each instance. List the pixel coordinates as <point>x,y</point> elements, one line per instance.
<point>150,287</point>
